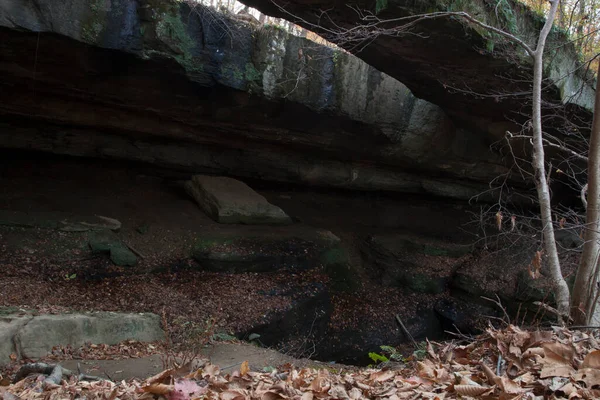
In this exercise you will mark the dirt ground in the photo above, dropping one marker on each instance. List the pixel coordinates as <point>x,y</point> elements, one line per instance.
<point>228,356</point>
<point>52,271</point>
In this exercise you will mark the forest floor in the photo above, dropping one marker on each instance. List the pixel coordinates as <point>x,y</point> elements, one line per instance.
<point>50,271</point>
<point>507,363</point>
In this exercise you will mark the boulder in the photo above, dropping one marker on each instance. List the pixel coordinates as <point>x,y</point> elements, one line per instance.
<point>423,265</point>
<point>27,336</point>
<point>43,332</point>
<point>108,242</point>
<point>9,327</point>
<point>229,201</point>
<point>337,265</point>
<point>464,317</point>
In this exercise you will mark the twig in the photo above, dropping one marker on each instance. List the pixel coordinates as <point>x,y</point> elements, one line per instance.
<point>548,308</point>
<point>499,364</point>
<point>55,377</point>
<point>499,304</point>
<point>584,327</point>
<point>133,249</point>
<point>406,332</point>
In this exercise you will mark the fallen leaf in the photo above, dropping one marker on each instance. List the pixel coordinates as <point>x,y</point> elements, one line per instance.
<point>589,376</point>
<point>186,389</point>
<point>592,360</point>
<point>244,368</point>
<point>508,386</point>
<point>382,376</point>
<point>470,390</point>
<point>556,370</point>
<point>558,352</point>
<point>158,388</point>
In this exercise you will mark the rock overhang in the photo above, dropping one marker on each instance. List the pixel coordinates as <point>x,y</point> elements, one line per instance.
<point>166,89</point>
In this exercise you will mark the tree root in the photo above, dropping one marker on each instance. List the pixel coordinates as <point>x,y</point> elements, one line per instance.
<point>54,371</point>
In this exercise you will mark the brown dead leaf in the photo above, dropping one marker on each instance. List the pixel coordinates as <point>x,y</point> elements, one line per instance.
<point>558,353</point>
<point>535,266</point>
<point>234,394</point>
<point>158,388</point>
<point>320,385</point>
<point>210,371</point>
<point>270,395</point>
<point>590,376</point>
<point>426,370</point>
<point>338,392</point>
<point>354,394</point>
<point>592,360</point>
<point>552,370</point>
<point>508,386</point>
<point>538,337</point>
<point>499,218</point>
<point>382,376</point>
<point>244,368</point>
<point>307,396</point>
<point>489,374</point>
<point>161,377</point>
<point>470,390</point>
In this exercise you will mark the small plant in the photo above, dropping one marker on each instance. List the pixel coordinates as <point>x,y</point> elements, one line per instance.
<point>184,340</point>
<point>377,358</point>
<point>393,353</point>
<point>380,5</point>
<point>390,354</point>
<point>421,352</point>
<point>69,277</point>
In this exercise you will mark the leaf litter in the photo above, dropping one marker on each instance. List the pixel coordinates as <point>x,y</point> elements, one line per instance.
<point>505,364</point>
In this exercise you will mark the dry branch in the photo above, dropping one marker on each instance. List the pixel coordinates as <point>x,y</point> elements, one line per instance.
<point>54,371</point>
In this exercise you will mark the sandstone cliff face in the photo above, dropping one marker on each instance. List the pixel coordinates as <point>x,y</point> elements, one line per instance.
<point>191,89</point>
<point>469,72</point>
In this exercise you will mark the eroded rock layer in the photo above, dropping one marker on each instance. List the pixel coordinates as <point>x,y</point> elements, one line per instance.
<point>191,89</point>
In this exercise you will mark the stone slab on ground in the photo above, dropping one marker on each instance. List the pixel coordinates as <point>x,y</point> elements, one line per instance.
<point>228,356</point>
<point>264,252</point>
<point>108,242</point>
<point>229,201</point>
<point>33,336</point>
<point>9,328</point>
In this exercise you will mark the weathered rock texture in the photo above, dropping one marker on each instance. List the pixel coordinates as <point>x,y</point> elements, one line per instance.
<point>473,75</point>
<point>162,83</point>
<point>29,336</point>
<point>229,201</point>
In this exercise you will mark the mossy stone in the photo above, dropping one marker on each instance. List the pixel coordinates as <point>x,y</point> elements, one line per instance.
<point>122,256</point>
<point>422,283</point>
<point>336,262</point>
<point>106,242</point>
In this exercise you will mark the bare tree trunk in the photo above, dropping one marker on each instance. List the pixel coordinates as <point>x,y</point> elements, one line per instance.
<point>581,20</point>
<point>538,164</point>
<point>585,291</point>
<point>561,18</point>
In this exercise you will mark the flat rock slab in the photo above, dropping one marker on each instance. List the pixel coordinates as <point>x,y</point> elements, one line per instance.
<point>28,336</point>
<point>228,356</point>
<point>229,201</point>
<point>108,242</point>
<point>299,250</point>
<point>58,220</point>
